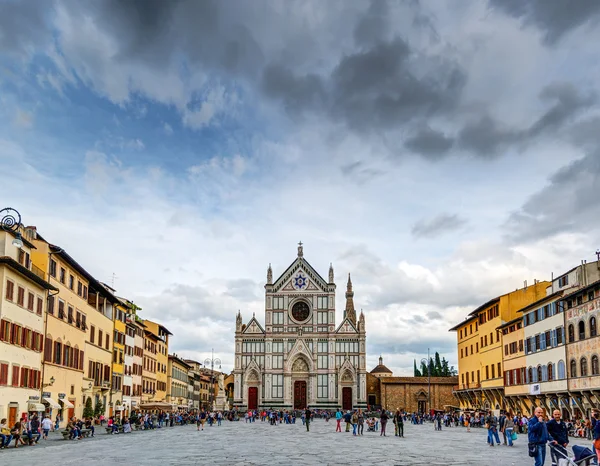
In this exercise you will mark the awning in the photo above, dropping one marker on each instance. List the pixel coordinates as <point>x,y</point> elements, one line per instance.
<point>66,403</point>
<point>156,405</point>
<point>119,408</point>
<point>37,407</point>
<point>53,404</point>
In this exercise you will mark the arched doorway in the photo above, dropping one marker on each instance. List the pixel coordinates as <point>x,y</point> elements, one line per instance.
<point>300,378</point>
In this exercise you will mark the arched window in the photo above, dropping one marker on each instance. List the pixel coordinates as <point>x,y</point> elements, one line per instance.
<point>540,374</point>
<point>593,329</point>
<point>583,364</point>
<point>561,370</point>
<point>581,328</point>
<point>571,333</point>
<point>573,368</point>
<point>595,368</point>
<point>530,375</point>
<point>550,371</point>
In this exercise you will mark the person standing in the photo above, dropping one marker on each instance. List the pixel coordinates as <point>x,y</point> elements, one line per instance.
<point>508,428</point>
<point>307,415</point>
<point>492,426</point>
<point>501,421</point>
<point>361,422</point>
<point>557,429</point>
<point>596,434</point>
<point>538,436</point>
<point>338,419</point>
<point>384,419</point>
<point>348,420</point>
<point>354,422</point>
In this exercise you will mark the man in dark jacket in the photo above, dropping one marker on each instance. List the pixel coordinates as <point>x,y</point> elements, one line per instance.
<point>557,429</point>
<point>348,420</point>
<point>537,434</point>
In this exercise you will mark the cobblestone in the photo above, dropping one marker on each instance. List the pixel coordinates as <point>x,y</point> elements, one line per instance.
<point>240,443</point>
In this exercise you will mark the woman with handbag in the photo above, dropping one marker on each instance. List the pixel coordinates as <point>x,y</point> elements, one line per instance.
<point>509,428</point>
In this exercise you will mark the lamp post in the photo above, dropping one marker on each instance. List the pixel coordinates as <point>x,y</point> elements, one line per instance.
<point>10,220</point>
<point>427,363</point>
<point>213,362</point>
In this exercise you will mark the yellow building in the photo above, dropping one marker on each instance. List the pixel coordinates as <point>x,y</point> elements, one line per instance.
<point>513,363</point>
<point>118,362</point>
<point>162,357</point>
<point>23,292</point>
<point>177,388</point>
<point>481,361</point>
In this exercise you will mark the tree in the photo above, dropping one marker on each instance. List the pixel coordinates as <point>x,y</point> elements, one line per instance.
<point>88,410</point>
<point>99,409</point>
<point>416,373</point>
<point>445,368</point>
<point>438,365</point>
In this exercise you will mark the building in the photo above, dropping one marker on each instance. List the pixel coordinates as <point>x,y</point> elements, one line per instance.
<point>300,357</point>
<point>116,404</point>
<point>134,358</point>
<point>480,349</point>
<point>24,290</point>
<point>162,357</point>
<point>149,366</point>
<point>514,364</point>
<point>78,344</point>
<point>178,381</point>
<point>194,380</point>
<point>582,311</point>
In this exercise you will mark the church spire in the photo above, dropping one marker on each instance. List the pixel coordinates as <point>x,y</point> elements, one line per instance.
<point>350,312</point>
<point>330,273</point>
<point>300,249</point>
<point>269,275</point>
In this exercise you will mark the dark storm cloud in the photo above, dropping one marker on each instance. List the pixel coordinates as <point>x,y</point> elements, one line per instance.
<point>568,203</point>
<point>486,137</point>
<point>374,25</point>
<point>23,25</point>
<point>438,225</point>
<point>429,142</point>
<point>554,18</point>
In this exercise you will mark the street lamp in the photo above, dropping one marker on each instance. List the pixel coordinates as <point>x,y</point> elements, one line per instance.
<point>10,220</point>
<point>213,362</point>
<point>427,363</point>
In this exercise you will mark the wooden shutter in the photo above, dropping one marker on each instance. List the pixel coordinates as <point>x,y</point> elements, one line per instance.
<point>10,290</point>
<point>3,374</point>
<point>48,350</point>
<point>107,341</point>
<point>15,376</point>
<point>40,306</point>
<point>51,305</point>
<point>20,296</point>
<point>30,301</point>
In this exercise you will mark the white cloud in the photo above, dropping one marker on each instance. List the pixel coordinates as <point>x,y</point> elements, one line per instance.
<point>168,129</point>
<point>23,119</point>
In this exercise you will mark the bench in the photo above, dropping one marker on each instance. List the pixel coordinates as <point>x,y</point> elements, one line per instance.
<point>109,430</point>
<point>84,433</point>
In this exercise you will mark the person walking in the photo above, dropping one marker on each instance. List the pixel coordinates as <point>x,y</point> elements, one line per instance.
<point>508,428</point>
<point>361,422</point>
<point>354,422</point>
<point>538,436</point>
<point>307,416</point>
<point>596,435</point>
<point>384,419</point>
<point>46,427</point>
<point>557,429</point>
<point>348,420</point>
<point>338,419</point>
<point>501,421</point>
<point>492,427</point>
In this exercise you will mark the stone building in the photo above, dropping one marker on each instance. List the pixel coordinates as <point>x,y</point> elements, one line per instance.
<point>408,393</point>
<point>300,357</point>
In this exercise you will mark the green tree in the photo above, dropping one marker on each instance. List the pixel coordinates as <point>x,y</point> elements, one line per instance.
<point>438,365</point>
<point>423,369</point>
<point>445,368</point>
<point>416,373</point>
<point>99,409</point>
<point>88,410</point>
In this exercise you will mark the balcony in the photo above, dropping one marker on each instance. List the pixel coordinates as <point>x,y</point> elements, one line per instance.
<point>39,272</point>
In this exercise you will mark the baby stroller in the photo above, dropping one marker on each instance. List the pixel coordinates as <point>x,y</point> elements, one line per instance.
<point>582,456</point>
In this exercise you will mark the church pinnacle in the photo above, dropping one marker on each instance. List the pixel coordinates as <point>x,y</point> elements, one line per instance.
<point>300,249</point>
<point>269,275</point>
<point>350,312</point>
<point>330,273</point>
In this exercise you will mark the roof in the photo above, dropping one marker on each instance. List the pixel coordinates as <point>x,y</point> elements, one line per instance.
<point>582,290</point>
<point>97,285</point>
<point>13,264</point>
<point>510,322</point>
<point>420,380</point>
<point>311,269</point>
<point>150,334</point>
<point>483,306</point>
<point>550,297</point>
<point>381,369</point>
<point>176,358</point>
<point>466,321</point>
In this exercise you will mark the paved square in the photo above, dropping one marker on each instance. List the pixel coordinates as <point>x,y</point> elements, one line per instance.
<point>240,443</point>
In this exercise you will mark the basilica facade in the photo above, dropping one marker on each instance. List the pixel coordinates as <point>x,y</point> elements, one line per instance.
<point>298,357</point>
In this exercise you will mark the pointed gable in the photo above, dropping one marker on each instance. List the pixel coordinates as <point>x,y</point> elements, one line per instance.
<point>346,327</point>
<point>253,328</point>
<point>285,280</point>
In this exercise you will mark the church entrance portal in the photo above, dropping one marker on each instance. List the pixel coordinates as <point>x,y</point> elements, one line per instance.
<point>347,398</point>
<point>299,394</point>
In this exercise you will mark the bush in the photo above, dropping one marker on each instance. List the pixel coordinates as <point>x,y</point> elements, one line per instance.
<point>88,410</point>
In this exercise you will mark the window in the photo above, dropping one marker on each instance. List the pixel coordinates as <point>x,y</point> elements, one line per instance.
<point>561,370</point>
<point>278,361</point>
<point>20,296</point>
<point>584,367</point>
<point>571,333</point>
<point>322,302</point>
<point>100,334</point>
<point>590,296</point>
<point>322,386</point>
<point>63,272</point>
<point>278,302</point>
<point>563,281</point>
<point>593,327</point>
<point>15,375</point>
<point>278,318</point>
<point>85,292</point>
<point>4,330</point>
<point>595,368</point>
<point>50,304</point>
<point>52,268</point>
<point>107,346</point>
<point>462,355</point>
<point>322,362</point>
<point>278,347</point>
<point>79,288</point>
<point>92,334</point>
<point>548,339</point>
<point>70,318</point>
<point>321,318</point>
<point>71,282</point>
<point>573,368</point>
<point>57,353</point>
<point>493,372</point>
<point>10,290</point>
<point>559,335</point>
<point>487,372</point>
<point>61,309</point>
<point>581,330</point>
<point>40,306</point>
<point>277,387</point>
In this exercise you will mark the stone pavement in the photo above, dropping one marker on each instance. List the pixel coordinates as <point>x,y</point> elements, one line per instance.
<point>240,443</point>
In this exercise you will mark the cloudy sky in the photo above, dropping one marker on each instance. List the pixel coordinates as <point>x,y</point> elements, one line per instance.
<point>442,152</point>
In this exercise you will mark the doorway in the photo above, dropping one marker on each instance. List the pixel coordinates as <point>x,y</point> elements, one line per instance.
<point>422,406</point>
<point>12,416</point>
<point>299,394</point>
<point>252,398</point>
<point>347,398</point>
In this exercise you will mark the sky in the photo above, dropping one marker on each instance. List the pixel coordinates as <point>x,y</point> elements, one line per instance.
<point>442,152</point>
